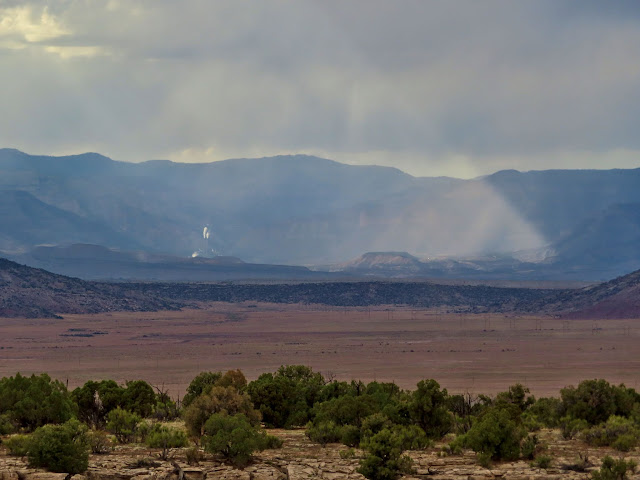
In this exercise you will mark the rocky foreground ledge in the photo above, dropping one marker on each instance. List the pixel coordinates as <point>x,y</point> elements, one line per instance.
<point>299,459</point>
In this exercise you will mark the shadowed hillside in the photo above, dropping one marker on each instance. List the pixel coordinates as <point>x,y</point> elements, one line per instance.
<point>458,298</point>
<point>30,292</point>
<point>618,298</point>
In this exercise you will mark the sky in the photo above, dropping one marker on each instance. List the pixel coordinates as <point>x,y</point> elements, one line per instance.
<point>460,88</point>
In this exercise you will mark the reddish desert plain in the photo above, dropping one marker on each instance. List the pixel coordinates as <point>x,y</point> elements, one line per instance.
<point>476,353</point>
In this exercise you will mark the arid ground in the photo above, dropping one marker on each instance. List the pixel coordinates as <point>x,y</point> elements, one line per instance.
<point>300,459</point>
<point>476,353</point>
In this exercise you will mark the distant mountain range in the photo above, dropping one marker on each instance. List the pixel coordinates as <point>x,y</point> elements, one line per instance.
<point>301,210</point>
<point>94,262</point>
<point>404,265</point>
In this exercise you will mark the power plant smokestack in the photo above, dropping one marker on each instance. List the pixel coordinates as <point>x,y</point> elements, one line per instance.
<point>206,233</point>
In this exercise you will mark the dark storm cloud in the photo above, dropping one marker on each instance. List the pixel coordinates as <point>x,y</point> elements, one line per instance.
<point>459,87</point>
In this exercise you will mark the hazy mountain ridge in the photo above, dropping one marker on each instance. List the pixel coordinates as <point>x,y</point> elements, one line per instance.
<point>306,210</point>
<point>29,292</point>
<point>164,205</point>
<point>384,261</point>
<point>94,262</point>
<point>29,221</point>
<point>557,201</point>
<point>404,265</point>
<point>610,236</point>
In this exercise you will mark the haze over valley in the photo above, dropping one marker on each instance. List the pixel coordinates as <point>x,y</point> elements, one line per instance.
<point>300,210</point>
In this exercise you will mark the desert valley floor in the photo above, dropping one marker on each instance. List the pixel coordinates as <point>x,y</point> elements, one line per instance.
<point>476,353</point>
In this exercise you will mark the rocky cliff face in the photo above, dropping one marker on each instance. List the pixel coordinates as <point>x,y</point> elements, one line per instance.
<point>301,460</point>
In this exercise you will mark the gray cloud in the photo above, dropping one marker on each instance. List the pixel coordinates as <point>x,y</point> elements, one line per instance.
<point>458,88</point>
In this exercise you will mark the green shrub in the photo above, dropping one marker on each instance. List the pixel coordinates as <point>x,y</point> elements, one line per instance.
<point>234,437</point>
<point>18,445</point>
<point>30,402</point>
<point>142,431</point>
<point>529,447</point>
<point>334,389</point>
<point>593,401</point>
<point>223,400</point>
<point>205,381</point>
<point>323,432</point>
<point>635,413</point>
<point>496,434</point>
<point>99,442</point>
<point>517,396</point>
<point>384,459</point>
<point>464,407</point>
<point>96,399</point>
<point>327,431</point>
<point>6,427</point>
<point>581,465</point>
<point>285,398</point>
<point>611,431</point>
<point>428,409</point>
<point>625,442</point>
<point>350,435</point>
<point>542,461</point>
<point>373,424</point>
<point>530,422</point>
<point>139,398</point>
<point>60,448</point>
<point>166,438</point>
<point>165,411</point>
<point>271,442</point>
<point>390,401</point>
<point>411,437</point>
<point>201,384</point>
<point>626,400</point>
<point>484,459</point>
<point>146,463</point>
<point>455,446</point>
<point>123,424</point>
<point>346,410</point>
<point>570,427</point>
<point>347,454</point>
<point>614,469</point>
<point>234,379</point>
<point>546,411</point>
<point>193,455</point>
